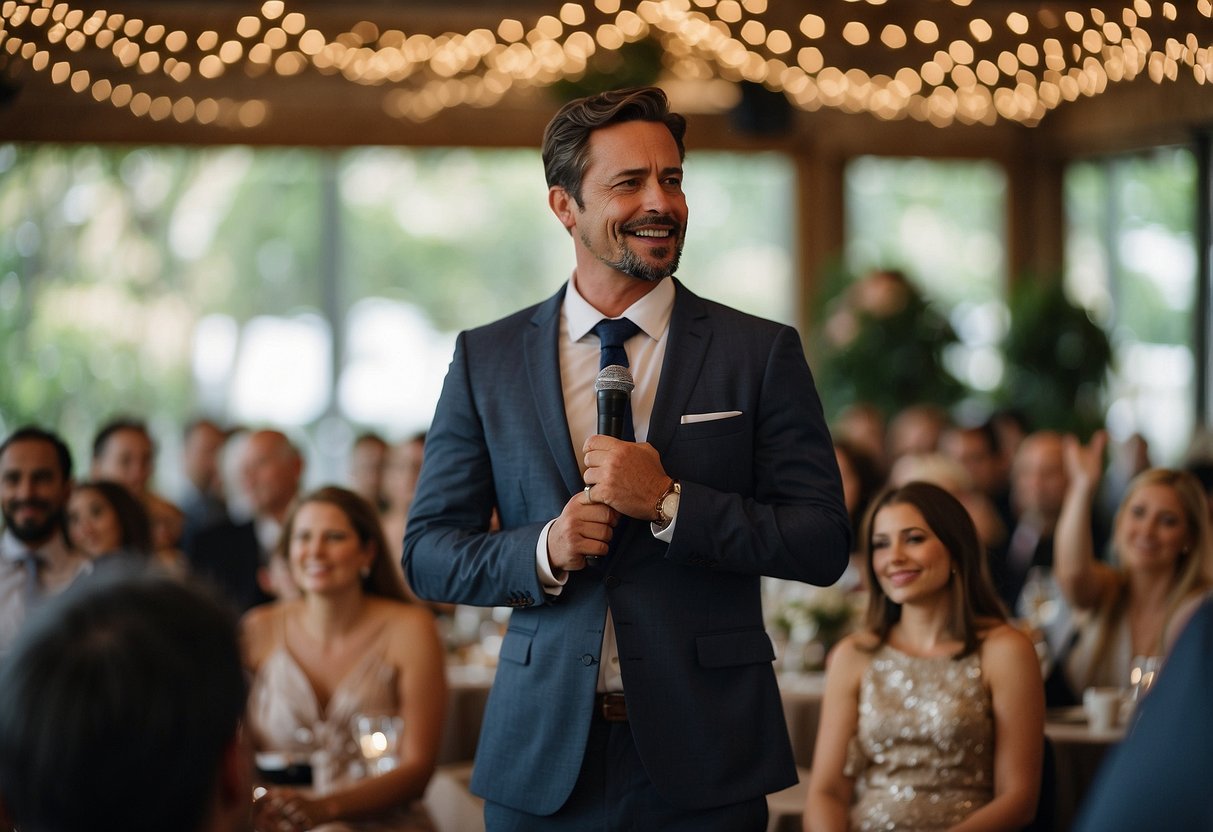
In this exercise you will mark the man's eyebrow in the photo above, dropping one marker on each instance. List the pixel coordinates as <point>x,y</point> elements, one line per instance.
<point>630,172</point>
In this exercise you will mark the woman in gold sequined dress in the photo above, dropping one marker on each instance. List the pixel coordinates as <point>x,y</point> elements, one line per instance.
<point>933,715</point>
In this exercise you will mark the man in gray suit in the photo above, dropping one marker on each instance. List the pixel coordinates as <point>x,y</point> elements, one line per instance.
<point>635,687</point>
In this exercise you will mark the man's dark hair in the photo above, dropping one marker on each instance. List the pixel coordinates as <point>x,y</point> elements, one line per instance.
<point>117,705</point>
<point>566,141</point>
<point>31,433</point>
<point>113,426</point>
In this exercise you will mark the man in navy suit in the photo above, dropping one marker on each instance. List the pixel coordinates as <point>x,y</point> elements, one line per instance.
<point>635,687</point>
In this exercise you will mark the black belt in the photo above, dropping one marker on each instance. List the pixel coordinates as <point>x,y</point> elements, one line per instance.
<point>610,707</point>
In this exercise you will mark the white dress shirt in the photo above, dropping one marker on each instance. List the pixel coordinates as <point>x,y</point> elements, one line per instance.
<point>59,567</point>
<point>580,353</point>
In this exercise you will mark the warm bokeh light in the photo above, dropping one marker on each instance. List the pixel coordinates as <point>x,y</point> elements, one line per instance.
<point>957,65</point>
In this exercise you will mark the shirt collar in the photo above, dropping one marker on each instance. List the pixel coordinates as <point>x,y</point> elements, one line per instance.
<point>14,550</point>
<point>651,313</point>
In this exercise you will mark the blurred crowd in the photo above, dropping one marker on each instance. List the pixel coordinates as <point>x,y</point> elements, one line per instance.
<point>336,654</point>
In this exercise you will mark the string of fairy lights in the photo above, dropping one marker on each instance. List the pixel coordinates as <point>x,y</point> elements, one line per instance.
<point>955,66</point>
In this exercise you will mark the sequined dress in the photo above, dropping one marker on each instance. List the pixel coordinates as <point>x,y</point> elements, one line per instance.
<point>286,716</point>
<point>923,754</point>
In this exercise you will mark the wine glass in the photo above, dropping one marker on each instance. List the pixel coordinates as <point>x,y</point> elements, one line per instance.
<point>1142,673</point>
<point>378,737</point>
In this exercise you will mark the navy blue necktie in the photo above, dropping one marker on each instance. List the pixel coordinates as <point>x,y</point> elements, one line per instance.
<point>612,333</point>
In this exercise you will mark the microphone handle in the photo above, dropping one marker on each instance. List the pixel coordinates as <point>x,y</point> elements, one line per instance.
<point>610,425</point>
<point>612,410</point>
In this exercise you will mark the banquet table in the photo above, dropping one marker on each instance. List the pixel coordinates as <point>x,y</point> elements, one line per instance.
<point>1078,752</point>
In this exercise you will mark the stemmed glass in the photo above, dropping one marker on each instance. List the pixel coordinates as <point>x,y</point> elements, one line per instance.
<point>1142,672</point>
<point>378,737</point>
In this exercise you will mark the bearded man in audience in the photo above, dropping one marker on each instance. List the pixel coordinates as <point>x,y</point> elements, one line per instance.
<point>35,558</point>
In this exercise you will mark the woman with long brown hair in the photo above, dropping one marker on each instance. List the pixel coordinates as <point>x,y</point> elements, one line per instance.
<point>933,715</point>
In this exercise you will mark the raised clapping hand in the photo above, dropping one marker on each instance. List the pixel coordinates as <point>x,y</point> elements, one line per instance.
<point>1084,463</point>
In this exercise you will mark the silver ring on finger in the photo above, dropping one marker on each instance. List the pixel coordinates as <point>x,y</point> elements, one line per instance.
<point>588,497</point>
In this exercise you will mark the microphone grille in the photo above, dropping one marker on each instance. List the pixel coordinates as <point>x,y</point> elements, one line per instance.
<point>614,377</point>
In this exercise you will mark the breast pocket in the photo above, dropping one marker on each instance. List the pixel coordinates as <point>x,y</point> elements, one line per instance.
<point>740,647</point>
<point>717,453</point>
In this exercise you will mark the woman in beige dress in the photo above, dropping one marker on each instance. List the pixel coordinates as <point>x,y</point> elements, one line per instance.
<point>1160,571</point>
<point>933,714</point>
<point>349,647</point>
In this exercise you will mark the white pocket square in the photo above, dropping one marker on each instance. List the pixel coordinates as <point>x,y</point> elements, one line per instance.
<point>691,418</point>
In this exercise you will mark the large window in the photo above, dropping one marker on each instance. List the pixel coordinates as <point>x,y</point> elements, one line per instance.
<point>1131,260</point>
<point>316,291</point>
<point>941,222</point>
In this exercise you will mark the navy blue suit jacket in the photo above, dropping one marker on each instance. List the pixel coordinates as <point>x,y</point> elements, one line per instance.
<point>760,496</point>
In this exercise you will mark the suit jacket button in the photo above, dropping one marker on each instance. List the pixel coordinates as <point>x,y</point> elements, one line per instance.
<point>587,659</point>
<point>611,581</point>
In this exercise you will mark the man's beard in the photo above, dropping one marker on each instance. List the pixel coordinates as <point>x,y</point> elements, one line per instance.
<point>633,265</point>
<point>33,531</point>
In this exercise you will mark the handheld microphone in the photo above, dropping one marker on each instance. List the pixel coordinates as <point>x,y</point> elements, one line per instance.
<point>614,387</point>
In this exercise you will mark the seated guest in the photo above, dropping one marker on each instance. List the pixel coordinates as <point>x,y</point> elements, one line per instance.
<point>1163,551</point>
<point>861,481</point>
<point>202,500</point>
<point>368,459</point>
<point>1158,778</point>
<point>1038,486</point>
<point>916,429</point>
<point>350,645</point>
<point>951,476</point>
<point>123,452</point>
<point>237,556</point>
<point>35,558</point>
<point>399,485</point>
<point>977,448</point>
<point>120,708</point>
<point>933,715</point>
<point>104,519</point>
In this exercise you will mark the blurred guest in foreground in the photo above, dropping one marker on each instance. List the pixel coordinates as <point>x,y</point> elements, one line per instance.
<point>238,556</point>
<point>933,715</point>
<point>1158,778</point>
<point>1164,555</point>
<point>35,558</point>
<point>104,520</point>
<point>349,646</point>
<point>120,708</point>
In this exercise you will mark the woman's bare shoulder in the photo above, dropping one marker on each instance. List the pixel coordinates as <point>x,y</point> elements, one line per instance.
<point>853,654</point>
<point>1006,647</point>
<point>258,629</point>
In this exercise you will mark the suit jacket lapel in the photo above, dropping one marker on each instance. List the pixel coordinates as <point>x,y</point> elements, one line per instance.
<point>686,348</point>
<point>542,360</point>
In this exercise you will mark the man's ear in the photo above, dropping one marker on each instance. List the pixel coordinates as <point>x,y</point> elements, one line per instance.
<point>563,206</point>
